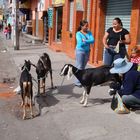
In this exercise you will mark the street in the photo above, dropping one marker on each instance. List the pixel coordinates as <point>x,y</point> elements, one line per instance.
<point>63,117</point>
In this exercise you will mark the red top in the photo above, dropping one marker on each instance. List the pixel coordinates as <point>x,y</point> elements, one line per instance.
<point>135,59</point>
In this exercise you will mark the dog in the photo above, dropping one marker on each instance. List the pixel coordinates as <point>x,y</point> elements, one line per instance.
<point>89,77</point>
<point>114,87</point>
<point>26,87</point>
<point>43,67</point>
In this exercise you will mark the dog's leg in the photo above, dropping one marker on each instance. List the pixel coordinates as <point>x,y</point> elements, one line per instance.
<point>87,89</point>
<point>31,107</point>
<point>30,96</point>
<point>51,79</point>
<point>24,112</point>
<point>24,98</point>
<point>38,85</point>
<point>83,97</point>
<point>43,84</point>
<point>86,100</point>
<point>24,109</point>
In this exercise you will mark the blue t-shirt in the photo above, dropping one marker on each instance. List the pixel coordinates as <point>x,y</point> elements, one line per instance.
<point>84,45</point>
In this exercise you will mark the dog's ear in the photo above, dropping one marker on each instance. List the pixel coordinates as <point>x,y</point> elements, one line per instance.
<point>29,61</point>
<point>25,61</point>
<point>22,67</point>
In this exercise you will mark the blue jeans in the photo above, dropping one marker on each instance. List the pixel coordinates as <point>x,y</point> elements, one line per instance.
<point>110,55</point>
<point>131,101</point>
<point>9,35</point>
<point>81,61</point>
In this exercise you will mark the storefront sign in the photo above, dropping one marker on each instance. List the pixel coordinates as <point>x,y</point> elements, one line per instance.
<point>55,2</point>
<point>79,5</point>
<point>41,5</point>
<point>50,17</point>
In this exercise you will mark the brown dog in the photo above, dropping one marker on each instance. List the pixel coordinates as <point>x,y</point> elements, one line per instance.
<point>42,69</point>
<point>26,87</point>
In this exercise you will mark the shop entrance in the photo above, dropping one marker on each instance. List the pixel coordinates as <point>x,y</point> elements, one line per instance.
<point>58,28</point>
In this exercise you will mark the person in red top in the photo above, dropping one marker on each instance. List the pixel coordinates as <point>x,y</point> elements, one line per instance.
<point>9,30</point>
<point>6,31</point>
<point>135,57</point>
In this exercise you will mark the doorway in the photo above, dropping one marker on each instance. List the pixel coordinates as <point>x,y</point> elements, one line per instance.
<point>58,28</point>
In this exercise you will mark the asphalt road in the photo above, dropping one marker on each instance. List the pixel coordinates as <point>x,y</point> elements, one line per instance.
<point>62,118</point>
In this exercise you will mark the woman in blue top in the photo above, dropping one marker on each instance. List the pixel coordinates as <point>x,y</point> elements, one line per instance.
<point>84,38</point>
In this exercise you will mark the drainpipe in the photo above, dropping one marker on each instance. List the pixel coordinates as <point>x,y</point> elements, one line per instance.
<point>94,33</point>
<point>15,9</point>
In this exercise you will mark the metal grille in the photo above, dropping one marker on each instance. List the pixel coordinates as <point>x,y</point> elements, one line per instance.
<point>121,9</point>
<point>88,9</point>
<point>71,16</point>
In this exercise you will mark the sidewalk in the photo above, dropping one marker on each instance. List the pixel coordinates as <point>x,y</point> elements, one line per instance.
<point>65,118</point>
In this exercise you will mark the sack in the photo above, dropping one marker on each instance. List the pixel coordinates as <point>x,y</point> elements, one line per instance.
<point>117,48</point>
<point>118,106</point>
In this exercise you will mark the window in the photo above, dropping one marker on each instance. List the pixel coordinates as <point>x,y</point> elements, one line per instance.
<point>71,12</point>
<point>59,14</point>
<point>88,9</point>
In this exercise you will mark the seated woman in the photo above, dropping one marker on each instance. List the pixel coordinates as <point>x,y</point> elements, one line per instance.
<point>130,90</point>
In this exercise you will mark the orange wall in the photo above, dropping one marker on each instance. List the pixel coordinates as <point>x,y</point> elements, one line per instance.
<point>33,27</point>
<point>41,32</point>
<point>47,2</point>
<point>68,43</point>
<point>135,24</point>
<point>97,26</point>
<point>33,6</point>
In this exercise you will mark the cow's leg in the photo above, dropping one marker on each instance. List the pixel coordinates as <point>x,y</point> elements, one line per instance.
<point>83,97</point>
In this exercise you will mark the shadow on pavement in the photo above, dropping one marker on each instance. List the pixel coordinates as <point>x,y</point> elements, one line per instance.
<point>68,90</point>
<point>100,101</point>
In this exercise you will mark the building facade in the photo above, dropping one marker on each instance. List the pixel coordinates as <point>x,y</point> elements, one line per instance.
<point>57,21</point>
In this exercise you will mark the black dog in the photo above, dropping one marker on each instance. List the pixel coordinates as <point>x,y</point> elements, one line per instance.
<point>114,87</point>
<point>89,77</point>
<point>42,69</point>
<point>26,87</point>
